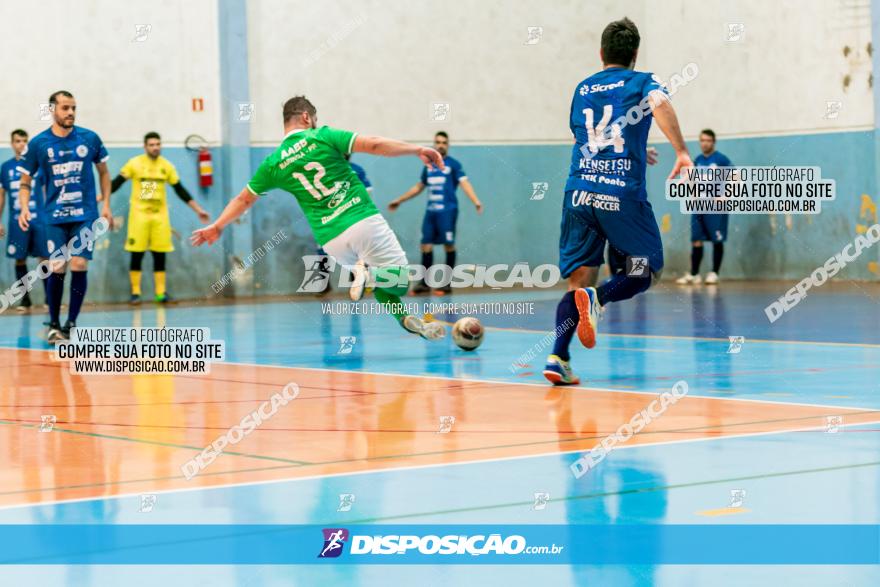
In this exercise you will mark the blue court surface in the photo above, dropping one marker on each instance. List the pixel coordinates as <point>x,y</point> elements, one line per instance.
<point>777,465</point>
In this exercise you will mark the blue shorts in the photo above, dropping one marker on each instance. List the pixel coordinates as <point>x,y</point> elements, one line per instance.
<point>438,228</point>
<point>709,227</point>
<point>21,244</point>
<point>69,234</point>
<point>590,220</point>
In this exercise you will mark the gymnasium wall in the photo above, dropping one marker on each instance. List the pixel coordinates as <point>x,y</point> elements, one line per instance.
<point>766,95</point>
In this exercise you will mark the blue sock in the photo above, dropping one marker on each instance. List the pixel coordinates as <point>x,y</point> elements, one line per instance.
<point>620,287</point>
<point>20,272</point>
<point>566,325</point>
<point>56,291</point>
<point>78,283</point>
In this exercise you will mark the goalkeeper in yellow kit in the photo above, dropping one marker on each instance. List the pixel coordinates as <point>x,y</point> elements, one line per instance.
<point>149,227</point>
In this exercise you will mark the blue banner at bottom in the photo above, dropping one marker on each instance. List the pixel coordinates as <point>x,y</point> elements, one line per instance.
<point>441,544</point>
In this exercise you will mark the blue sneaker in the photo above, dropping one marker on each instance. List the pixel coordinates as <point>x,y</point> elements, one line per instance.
<point>558,372</point>
<point>588,313</point>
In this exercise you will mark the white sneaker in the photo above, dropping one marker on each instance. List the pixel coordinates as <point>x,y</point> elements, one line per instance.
<point>427,330</point>
<point>359,282</point>
<point>712,278</point>
<point>688,279</point>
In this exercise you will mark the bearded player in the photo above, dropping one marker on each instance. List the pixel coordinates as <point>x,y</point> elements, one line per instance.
<point>64,155</point>
<point>310,164</point>
<point>149,224</point>
<point>605,196</point>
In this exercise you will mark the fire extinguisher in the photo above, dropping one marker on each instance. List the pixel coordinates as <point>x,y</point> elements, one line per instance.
<point>206,168</point>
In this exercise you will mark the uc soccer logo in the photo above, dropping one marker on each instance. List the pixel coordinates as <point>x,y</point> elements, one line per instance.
<point>334,539</point>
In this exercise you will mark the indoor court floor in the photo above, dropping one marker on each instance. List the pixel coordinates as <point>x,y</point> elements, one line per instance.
<point>786,420</point>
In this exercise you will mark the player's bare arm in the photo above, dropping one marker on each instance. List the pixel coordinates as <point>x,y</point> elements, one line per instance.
<point>410,194</point>
<point>385,147</point>
<point>235,208</point>
<point>471,194</point>
<point>2,205</point>
<point>24,201</point>
<point>104,196</point>
<point>666,119</point>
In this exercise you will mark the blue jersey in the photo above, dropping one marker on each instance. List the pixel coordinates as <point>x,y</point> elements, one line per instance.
<point>10,179</point>
<point>66,166</point>
<point>442,184</point>
<point>610,119</point>
<point>716,159</point>
<point>362,175</point>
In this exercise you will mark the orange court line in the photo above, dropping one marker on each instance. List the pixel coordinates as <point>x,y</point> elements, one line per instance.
<point>128,434</point>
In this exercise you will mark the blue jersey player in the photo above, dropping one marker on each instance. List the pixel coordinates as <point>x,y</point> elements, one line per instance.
<point>21,244</point>
<point>707,227</point>
<point>441,215</point>
<point>64,154</point>
<point>605,200</point>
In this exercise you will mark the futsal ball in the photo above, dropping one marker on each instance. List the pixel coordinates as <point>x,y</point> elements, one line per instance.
<point>467,333</point>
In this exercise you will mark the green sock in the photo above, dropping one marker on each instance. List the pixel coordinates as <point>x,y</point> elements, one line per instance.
<point>395,286</point>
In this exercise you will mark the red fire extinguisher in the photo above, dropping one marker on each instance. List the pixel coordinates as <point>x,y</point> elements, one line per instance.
<point>206,168</point>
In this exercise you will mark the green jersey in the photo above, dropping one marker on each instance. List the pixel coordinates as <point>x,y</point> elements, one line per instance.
<point>310,164</point>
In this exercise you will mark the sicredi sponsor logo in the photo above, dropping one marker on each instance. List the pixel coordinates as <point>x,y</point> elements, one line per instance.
<point>599,88</point>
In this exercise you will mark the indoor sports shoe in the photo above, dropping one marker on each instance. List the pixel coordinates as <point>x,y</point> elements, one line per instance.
<point>588,315</point>
<point>164,299</point>
<point>68,326</point>
<point>134,300</point>
<point>421,287</point>
<point>688,279</point>
<point>55,333</point>
<point>558,372</point>
<point>358,282</point>
<point>427,330</point>
<point>711,278</point>
<point>433,331</point>
<point>25,305</point>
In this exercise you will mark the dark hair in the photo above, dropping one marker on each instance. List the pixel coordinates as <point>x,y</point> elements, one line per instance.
<point>710,132</point>
<point>620,41</point>
<point>441,133</point>
<point>53,99</point>
<point>298,105</point>
<point>18,133</point>
<point>151,135</point>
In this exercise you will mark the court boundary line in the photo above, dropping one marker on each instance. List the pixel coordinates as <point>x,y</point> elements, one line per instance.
<point>469,462</point>
<point>505,382</point>
<point>398,468</point>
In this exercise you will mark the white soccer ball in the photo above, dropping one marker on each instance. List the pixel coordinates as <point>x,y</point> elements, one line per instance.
<point>467,333</point>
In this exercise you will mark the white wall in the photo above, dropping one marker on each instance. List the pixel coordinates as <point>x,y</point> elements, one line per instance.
<point>778,78</point>
<point>123,88</point>
<point>384,62</point>
<point>377,65</point>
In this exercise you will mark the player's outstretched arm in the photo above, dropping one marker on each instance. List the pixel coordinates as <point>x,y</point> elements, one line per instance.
<point>235,208</point>
<point>410,193</point>
<point>385,147</point>
<point>117,183</point>
<point>472,195</point>
<point>3,205</point>
<point>187,198</point>
<point>666,119</point>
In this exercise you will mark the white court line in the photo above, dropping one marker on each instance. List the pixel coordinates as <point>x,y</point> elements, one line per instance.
<point>507,382</point>
<point>467,462</point>
<point>403,468</point>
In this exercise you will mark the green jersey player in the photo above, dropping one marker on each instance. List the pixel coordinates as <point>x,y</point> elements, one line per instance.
<point>310,163</point>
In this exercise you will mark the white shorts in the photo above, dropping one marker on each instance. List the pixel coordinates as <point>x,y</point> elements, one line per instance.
<point>370,240</point>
